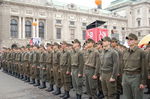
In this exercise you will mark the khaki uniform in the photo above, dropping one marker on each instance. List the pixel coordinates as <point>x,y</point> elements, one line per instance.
<point>31,62</point>
<point>134,73</point>
<point>49,66</point>
<point>26,64</point>
<point>109,69</point>
<point>119,77</point>
<point>43,71</point>
<point>36,58</point>
<point>77,65</point>
<point>91,68</point>
<point>21,69</point>
<point>56,68</point>
<point>148,68</point>
<point>64,67</point>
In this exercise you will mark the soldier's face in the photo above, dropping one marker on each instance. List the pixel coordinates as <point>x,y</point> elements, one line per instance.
<point>63,46</point>
<point>75,45</point>
<point>131,42</point>
<point>113,44</point>
<point>90,44</point>
<point>106,43</point>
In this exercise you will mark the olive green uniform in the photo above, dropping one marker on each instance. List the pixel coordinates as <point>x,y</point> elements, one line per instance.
<point>134,69</point>
<point>43,68</point>
<point>91,68</point>
<point>77,65</point>
<point>64,67</point>
<point>56,68</point>
<point>49,66</point>
<point>109,69</point>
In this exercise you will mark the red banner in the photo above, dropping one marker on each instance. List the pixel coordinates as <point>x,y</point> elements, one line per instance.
<point>96,34</point>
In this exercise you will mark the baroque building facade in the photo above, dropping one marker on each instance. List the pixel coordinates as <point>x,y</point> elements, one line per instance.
<point>21,20</point>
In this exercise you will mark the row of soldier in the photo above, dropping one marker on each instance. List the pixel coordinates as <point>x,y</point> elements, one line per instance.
<point>109,68</point>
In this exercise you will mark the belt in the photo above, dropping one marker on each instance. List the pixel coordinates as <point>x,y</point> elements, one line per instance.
<point>106,72</point>
<point>89,67</point>
<point>132,72</point>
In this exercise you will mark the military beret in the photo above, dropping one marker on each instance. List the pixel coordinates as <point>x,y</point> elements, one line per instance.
<point>132,36</point>
<point>100,42</point>
<point>56,44</point>
<point>114,39</point>
<point>106,39</point>
<point>76,41</point>
<point>64,42</point>
<point>90,41</point>
<point>49,44</point>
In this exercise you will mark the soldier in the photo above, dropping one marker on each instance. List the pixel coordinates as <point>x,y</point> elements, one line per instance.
<point>91,69</point>
<point>34,64</point>
<point>134,70</point>
<point>32,81</point>
<point>49,66</point>
<point>26,65</point>
<point>147,50</point>
<point>108,69</point>
<point>43,71</point>
<point>114,45</point>
<point>77,67</point>
<point>65,70</point>
<point>8,61</point>
<point>19,62</point>
<point>21,69</point>
<point>36,58</point>
<point>56,68</point>
<point>99,47</point>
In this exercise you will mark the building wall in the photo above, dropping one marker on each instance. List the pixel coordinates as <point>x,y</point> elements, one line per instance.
<point>47,14</point>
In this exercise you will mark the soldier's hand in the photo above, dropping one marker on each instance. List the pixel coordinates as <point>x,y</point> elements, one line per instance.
<point>100,78</point>
<point>142,86</point>
<point>94,77</point>
<point>148,77</point>
<point>112,79</point>
<point>79,75</point>
<point>68,73</point>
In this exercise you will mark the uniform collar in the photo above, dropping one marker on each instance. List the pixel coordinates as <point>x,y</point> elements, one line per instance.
<point>133,50</point>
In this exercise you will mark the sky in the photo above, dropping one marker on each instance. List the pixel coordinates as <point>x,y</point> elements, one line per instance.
<point>87,3</point>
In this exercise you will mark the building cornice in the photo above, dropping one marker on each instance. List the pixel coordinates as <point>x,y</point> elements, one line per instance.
<point>64,9</point>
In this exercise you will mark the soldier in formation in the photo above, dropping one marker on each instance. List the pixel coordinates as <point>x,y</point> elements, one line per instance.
<point>105,69</point>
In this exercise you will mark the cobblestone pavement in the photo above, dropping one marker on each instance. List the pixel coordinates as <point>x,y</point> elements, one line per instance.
<point>13,88</point>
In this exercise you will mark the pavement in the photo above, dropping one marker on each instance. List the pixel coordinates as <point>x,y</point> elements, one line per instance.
<point>14,88</point>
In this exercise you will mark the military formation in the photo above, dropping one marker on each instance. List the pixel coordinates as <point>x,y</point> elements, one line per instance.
<point>105,69</point>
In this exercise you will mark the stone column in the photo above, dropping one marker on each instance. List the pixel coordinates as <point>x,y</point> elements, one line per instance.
<point>23,27</point>
<point>37,28</point>
<point>19,33</point>
<point>33,29</point>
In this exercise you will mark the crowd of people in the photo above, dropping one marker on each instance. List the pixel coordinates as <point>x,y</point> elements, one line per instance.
<point>106,68</point>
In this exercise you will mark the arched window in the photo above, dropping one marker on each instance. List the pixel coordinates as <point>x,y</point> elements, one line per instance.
<point>14,28</point>
<point>41,29</point>
<point>28,29</point>
<point>138,22</point>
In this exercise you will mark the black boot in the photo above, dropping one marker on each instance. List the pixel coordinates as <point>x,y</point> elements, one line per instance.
<point>37,83</point>
<point>66,95</point>
<point>24,78</point>
<point>148,92</point>
<point>28,79</point>
<point>118,96</point>
<point>43,85</point>
<point>33,81</point>
<point>78,96</point>
<point>57,92</point>
<point>50,88</point>
<point>61,96</point>
<point>21,77</point>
